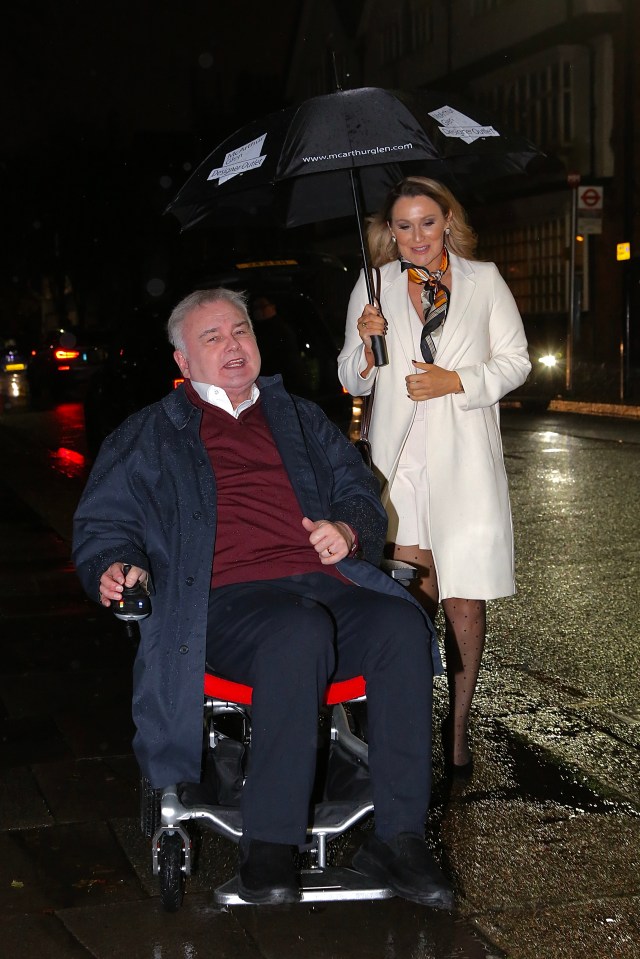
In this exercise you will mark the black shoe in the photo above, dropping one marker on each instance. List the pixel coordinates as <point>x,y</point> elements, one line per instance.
<point>406,866</point>
<point>460,771</point>
<point>267,874</point>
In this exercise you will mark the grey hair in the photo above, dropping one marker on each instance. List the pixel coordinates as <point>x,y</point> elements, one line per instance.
<point>198,298</point>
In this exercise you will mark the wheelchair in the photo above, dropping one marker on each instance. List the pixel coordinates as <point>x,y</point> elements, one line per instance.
<point>165,813</point>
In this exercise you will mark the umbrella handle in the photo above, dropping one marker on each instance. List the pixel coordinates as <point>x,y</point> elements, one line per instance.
<point>379,349</point>
<point>378,343</point>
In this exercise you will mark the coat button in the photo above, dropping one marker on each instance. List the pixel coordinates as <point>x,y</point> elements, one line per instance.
<point>190,580</point>
<point>183,649</point>
<point>197,515</point>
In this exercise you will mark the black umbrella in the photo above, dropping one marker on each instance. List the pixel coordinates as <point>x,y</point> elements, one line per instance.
<point>339,154</point>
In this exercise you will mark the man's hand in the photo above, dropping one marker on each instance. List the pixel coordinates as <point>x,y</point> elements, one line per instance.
<point>433,381</point>
<point>113,581</point>
<point>331,541</point>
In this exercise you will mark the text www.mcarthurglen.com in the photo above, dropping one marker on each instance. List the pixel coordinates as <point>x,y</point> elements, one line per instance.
<point>357,153</point>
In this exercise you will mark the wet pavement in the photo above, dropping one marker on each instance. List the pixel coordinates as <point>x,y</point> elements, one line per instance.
<point>543,844</point>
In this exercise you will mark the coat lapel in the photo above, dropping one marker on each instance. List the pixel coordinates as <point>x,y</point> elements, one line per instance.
<point>463,287</point>
<point>394,301</point>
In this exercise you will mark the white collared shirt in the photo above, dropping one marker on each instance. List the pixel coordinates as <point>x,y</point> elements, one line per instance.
<point>216,396</point>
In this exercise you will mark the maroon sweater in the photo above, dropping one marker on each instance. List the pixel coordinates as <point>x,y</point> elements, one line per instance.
<point>259,531</point>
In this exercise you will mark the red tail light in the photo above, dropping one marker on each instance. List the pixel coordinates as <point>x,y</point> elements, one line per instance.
<point>177,382</point>
<point>67,354</point>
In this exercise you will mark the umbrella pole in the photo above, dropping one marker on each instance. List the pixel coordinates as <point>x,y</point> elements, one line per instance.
<point>378,344</point>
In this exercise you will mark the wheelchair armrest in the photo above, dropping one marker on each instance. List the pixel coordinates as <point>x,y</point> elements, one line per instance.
<point>402,572</point>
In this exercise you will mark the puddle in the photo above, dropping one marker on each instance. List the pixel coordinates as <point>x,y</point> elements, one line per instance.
<point>541,779</point>
<point>68,462</point>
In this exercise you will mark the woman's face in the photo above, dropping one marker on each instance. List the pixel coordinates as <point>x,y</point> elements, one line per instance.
<point>418,224</point>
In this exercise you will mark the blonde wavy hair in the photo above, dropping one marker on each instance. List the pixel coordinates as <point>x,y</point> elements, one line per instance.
<point>461,240</point>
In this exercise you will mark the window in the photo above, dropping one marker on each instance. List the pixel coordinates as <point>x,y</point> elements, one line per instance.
<point>418,25</point>
<point>478,7</point>
<point>533,262</point>
<point>390,42</point>
<point>537,104</point>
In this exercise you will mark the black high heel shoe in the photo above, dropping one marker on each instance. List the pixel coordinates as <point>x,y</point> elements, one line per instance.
<point>460,771</point>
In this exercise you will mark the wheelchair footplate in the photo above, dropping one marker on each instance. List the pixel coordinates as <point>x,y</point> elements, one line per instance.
<point>328,884</point>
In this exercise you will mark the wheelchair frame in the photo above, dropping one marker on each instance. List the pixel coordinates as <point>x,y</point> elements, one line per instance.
<point>163,815</point>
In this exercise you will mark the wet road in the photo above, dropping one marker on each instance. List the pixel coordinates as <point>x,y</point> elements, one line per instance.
<point>542,844</point>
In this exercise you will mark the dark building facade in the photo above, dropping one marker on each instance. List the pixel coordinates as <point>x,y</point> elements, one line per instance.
<point>565,74</point>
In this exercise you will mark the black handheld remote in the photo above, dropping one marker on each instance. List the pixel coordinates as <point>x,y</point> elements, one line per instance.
<point>135,603</point>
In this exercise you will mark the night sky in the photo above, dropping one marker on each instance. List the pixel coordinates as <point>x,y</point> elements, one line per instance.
<point>105,109</point>
<point>133,64</point>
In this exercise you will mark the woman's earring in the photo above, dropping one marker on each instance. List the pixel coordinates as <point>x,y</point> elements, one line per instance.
<point>393,238</point>
<point>447,231</point>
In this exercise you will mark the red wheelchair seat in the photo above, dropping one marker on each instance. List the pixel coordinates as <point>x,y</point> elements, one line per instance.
<point>225,689</point>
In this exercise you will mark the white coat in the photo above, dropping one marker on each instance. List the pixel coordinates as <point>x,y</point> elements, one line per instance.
<point>483,340</point>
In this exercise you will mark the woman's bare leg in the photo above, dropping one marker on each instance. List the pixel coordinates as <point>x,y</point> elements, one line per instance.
<point>466,621</point>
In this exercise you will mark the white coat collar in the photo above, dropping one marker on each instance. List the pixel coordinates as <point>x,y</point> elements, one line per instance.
<point>395,304</point>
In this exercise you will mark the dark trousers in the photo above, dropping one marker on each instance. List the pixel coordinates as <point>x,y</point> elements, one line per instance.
<point>289,637</point>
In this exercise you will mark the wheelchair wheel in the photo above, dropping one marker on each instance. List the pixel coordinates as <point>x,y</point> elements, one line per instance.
<point>170,872</point>
<point>149,808</point>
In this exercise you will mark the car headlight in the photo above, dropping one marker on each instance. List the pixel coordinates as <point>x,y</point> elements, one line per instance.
<point>548,360</point>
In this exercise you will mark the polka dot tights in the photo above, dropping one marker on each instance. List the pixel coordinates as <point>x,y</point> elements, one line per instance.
<point>465,629</point>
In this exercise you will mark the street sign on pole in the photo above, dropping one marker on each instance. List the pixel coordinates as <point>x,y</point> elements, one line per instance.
<point>590,198</point>
<point>590,202</point>
<point>573,180</point>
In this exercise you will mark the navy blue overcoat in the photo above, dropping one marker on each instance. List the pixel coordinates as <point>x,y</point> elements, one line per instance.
<point>151,501</point>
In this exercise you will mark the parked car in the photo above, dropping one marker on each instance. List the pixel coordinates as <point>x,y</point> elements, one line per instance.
<point>295,311</point>
<point>11,359</point>
<point>547,345</point>
<point>62,365</point>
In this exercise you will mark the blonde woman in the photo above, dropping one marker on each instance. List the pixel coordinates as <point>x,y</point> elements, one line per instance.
<point>456,346</point>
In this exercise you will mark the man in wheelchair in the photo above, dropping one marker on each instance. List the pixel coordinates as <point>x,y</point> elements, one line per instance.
<point>258,532</point>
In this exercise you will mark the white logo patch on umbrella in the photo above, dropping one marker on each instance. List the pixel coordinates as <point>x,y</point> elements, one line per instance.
<point>240,160</point>
<point>456,124</point>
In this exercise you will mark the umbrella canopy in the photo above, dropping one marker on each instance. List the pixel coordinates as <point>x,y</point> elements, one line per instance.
<point>338,154</point>
<point>308,153</point>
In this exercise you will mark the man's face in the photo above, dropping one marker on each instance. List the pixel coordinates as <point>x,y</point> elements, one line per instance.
<point>220,350</point>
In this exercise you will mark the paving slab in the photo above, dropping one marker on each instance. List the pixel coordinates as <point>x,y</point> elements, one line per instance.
<point>601,929</point>
<point>22,742</point>
<point>142,930</point>
<point>509,853</point>
<point>39,937</point>
<point>599,735</point>
<point>61,866</point>
<point>393,929</point>
<point>22,805</point>
<point>89,790</point>
<point>390,930</point>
